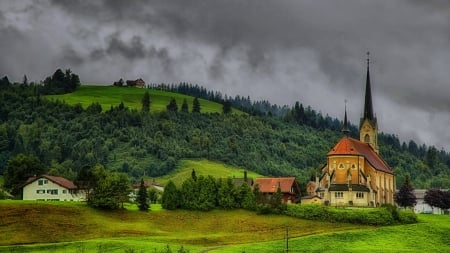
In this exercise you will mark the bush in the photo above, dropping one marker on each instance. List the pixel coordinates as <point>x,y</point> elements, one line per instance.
<point>407,217</point>
<point>375,216</point>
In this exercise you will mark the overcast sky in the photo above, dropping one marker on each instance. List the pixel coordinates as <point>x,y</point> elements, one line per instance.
<point>278,50</point>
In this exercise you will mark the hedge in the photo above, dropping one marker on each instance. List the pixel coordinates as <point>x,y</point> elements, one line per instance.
<point>367,216</point>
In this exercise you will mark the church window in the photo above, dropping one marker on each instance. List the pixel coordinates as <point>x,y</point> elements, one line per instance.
<point>360,195</point>
<point>339,195</point>
<point>341,166</point>
<point>367,138</point>
<point>353,166</point>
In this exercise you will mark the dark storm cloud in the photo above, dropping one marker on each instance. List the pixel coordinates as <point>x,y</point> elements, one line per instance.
<point>279,50</point>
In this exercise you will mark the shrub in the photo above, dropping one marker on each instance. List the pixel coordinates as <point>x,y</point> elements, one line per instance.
<point>374,216</point>
<point>407,217</point>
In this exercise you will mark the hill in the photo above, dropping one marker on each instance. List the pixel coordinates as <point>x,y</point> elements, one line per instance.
<point>109,96</point>
<point>73,227</point>
<point>65,138</point>
<point>204,168</point>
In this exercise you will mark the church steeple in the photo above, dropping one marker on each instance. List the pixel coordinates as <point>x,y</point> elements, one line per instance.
<point>368,129</point>
<point>345,128</point>
<point>368,106</point>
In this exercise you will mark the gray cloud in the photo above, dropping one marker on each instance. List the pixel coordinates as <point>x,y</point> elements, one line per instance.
<point>279,50</point>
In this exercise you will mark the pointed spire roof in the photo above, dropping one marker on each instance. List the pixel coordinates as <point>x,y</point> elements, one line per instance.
<point>368,107</point>
<point>345,128</point>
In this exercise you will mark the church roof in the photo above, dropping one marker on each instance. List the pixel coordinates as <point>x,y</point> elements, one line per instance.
<point>350,146</point>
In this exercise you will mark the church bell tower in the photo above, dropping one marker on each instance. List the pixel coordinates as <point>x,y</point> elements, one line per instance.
<point>368,128</point>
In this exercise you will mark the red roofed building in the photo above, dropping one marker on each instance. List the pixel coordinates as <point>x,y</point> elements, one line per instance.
<point>51,188</point>
<point>288,185</point>
<point>355,173</point>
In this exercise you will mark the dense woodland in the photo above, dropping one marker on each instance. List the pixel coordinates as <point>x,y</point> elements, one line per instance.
<point>63,139</point>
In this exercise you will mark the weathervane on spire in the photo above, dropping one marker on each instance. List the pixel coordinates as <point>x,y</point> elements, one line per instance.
<point>368,59</point>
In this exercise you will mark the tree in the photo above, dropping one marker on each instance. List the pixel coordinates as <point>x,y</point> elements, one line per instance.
<point>196,105</point>
<point>111,192</point>
<point>142,198</point>
<point>171,198</point>
<point>172,106</point>
<point>19,169</point>
<point>226,108</point>
<point>194,175</point>
<point>184,106</point>
<point>405,196</point>
<point>437,198</point>
<point>146,102</point>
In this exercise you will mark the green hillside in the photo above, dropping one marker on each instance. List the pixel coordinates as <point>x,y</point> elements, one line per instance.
<point>74,227</point>
<point>204,168</point>
<point>109,96</point>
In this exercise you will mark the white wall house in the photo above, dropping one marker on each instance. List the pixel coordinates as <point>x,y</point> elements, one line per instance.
<point>51,188</point>
<point>421,206</point>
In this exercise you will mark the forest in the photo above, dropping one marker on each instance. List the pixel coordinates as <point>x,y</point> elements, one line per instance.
<point>64,138</point>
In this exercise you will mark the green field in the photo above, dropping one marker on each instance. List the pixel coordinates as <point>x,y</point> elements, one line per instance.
<point>73,227</point>
<point>109,96</point>
<point>205,168</point>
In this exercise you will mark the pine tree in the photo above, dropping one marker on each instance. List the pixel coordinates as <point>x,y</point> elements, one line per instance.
<point>142,198</point>
<point>405,196</point>
<point>184,106</point>
<point>146,102</point>
<point>226,109</point>
<point>172,106</point>
<point>196,105</point>
<point>194,175</point>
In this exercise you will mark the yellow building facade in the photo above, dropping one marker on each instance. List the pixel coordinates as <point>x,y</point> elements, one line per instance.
<point>355,173</point>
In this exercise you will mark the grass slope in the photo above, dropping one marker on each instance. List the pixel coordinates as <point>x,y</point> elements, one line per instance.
<point>73,227</point>
<point>109,96</point>
<point>205,168</point>
<point>40,223</point>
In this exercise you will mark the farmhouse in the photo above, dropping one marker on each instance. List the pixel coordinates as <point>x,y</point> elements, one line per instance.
<point>355,173</point>
<point>136,83</point>
<point>51,188</point>
<point>288,186</point>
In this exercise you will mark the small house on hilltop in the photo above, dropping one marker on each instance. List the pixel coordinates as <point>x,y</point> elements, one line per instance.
<point>51,188</point>
<point>139,83</point>
<point>288,186</point>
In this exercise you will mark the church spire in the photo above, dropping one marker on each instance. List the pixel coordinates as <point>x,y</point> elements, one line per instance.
<point>368,107</point>
<point>345,128</point>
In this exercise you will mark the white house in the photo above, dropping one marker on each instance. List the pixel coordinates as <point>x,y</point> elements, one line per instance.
<point>51,188</point>
<point>421,206</point>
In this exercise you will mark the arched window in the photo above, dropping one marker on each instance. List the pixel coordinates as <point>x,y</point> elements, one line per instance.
<point>367,138</point>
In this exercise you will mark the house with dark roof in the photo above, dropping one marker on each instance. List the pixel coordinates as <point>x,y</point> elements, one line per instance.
<point>136,83</point>
<point>51,188</point>
<point>355,173</point>
<point>288,186</point>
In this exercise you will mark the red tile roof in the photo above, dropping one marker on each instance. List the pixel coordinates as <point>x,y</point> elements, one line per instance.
<point>271,184</point>
<point>350,146</point>
<point>66,183</point>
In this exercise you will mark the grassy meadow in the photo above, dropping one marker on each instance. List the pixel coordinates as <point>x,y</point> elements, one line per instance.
<point>203,168</point>
<point>73,227</point>
<point>109,96</point>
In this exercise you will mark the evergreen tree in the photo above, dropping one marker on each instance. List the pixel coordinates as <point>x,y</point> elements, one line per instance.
<point>142,198</point>
<point>405,196</point>
<point>194,175</point>
<point>184,106</point>
<point>196,105</point>
<point>172,106</point>
<point>146,102</point>
<point>226,108</point>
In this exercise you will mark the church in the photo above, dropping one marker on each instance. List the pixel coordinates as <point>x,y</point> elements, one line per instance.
<point>355,174</point>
